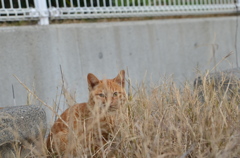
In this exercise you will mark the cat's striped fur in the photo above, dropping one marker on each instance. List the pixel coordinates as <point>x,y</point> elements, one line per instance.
<point>85,127</point>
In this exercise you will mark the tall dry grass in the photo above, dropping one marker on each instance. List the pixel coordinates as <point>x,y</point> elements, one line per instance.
<point>168,121</point>
<point>174,122</point>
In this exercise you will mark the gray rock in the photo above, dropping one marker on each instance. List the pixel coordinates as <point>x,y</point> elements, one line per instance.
<point>227,81</point>
<point>20,125</point>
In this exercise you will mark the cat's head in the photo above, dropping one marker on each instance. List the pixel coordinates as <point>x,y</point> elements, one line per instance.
<point>107,93</point>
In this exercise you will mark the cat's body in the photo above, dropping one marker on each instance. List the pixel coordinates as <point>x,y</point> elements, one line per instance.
<point>88,125</point>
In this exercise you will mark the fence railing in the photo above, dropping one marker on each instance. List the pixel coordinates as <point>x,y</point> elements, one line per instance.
<point>43,10</point>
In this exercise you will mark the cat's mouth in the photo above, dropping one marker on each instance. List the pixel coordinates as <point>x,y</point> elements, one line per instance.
<point>109,107</point>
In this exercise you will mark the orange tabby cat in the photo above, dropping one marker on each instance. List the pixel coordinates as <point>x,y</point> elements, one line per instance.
<point>84,128</point>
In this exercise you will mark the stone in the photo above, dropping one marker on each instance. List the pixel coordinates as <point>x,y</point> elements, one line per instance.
<point>19,126</point>
<point>222,82</point>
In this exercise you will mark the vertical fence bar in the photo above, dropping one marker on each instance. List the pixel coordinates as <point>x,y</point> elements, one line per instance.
<point>3,5</point>
<point>179,3</point>
<point>144,3</point>
<point>11,4</point>
<point>196,3</point>
<point>19,4</point>
<point>41,6</point>
<point>164,3</point>
<point>170,3</point>
<point>49,4</point>
<point>238,5</point>
<point>27,4</point>
<point>110,3</point>
<point>57,4</point>
<point>85,3</point>
<point>133,3</point>
<point>91,1</point>
<point>154,3</point>
<point>78,4</point>
<point>64,4</point>
<point>104,3</point>
<point>128,4</point>
<point>98,3</point>
<point>150,3</point>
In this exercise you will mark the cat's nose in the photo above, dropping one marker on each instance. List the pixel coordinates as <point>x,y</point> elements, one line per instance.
<point>108,102</point>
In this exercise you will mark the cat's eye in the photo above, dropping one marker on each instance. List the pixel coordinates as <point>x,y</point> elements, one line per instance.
<point>101,95</point>
<point>115,94</point>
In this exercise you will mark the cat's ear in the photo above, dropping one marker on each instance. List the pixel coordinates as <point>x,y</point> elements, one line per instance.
<point>120,79</point>
<point>92,81</point>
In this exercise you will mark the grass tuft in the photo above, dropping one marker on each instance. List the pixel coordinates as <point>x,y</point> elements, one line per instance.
<point>167,121</point>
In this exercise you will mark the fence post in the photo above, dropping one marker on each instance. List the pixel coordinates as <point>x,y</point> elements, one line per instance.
<point>41,6</point>
<point>238,5</point>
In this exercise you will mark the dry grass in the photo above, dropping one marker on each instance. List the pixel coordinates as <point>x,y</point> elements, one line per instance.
<point>167,121</point>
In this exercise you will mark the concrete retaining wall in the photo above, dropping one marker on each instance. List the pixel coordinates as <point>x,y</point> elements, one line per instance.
<point>156,47</point>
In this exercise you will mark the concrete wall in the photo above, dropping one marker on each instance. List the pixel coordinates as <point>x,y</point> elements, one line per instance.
<point>156,47</point>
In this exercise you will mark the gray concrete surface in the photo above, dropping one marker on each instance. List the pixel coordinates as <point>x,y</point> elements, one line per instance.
<point>157,48</point>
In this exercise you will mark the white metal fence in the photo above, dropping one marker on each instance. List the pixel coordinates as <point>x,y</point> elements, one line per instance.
<point>43,10</point>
